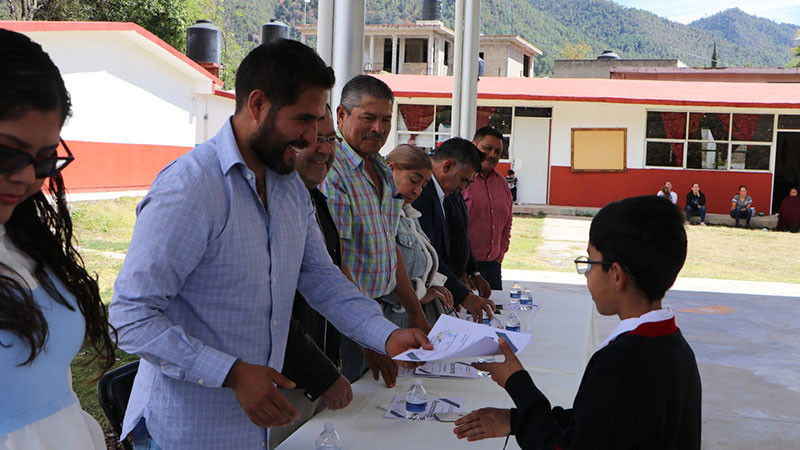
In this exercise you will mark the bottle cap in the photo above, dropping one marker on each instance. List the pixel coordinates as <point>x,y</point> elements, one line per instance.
<point>417,382</point>
<point>328,427</point>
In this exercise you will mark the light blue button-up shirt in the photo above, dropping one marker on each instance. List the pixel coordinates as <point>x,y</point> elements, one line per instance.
<point>210,277</point>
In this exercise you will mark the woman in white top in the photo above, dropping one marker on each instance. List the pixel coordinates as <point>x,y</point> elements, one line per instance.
<point>412,169</point>
<point>667,192</point>
<point>49,305</point>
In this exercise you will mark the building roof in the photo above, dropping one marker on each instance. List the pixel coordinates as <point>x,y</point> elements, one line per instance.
<point>678,93</point>
<point>131,31</point>
<point>514,39</point>
<point>778,74</point>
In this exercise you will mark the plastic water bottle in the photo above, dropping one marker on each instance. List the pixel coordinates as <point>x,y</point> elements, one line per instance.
<point>416,401</point>
<point>525,300</point>
<point>512,323</point>
<point>497,322</point>
<point>516,291</point>
<point>329,439</point>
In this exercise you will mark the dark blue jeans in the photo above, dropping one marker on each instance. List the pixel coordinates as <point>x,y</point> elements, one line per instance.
<point>699,212</point>
<point>739,214</point>
<point>490,271</point>
<point>142,439</point>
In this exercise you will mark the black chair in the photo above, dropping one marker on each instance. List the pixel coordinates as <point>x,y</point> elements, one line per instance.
<point>113,392</point>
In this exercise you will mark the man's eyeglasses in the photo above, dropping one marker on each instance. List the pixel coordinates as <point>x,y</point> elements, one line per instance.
<point>333,140</point>
<point>583,264</point>
<point>12,161</point>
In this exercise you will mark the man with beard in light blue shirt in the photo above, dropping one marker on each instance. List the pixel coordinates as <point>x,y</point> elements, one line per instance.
<point>223,239</point>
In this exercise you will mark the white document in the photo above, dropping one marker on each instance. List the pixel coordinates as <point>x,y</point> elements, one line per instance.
<point>454,338</point>
<point>435,405</point>
<point>456,369</point>
<point>436,369</point>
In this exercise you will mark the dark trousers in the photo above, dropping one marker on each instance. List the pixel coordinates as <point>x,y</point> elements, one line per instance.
<point>490,271</point>
<point>698,212</point>
<point>353,363</point>
<point>514,194</point>
<point>739,214</point>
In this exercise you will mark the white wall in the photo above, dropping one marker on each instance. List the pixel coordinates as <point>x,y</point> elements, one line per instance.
<point>122,92</point>
<point>212,113</point>
<point>568,115</point>
<point>515,66</point>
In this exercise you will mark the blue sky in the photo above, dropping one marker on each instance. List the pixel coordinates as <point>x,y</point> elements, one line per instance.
<point>685,11</point>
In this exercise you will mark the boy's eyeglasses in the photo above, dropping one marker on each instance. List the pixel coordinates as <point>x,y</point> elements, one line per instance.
<point>12,161</point>
<point>333,140</point>
<point>583,264</point>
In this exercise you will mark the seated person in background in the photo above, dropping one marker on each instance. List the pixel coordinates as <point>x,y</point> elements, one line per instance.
<point>696,204</point>
<point>412,169</point>
<point>742,206</point>
<point>789,213</point>
<point>666,191</point>
<point>641,389</point>
<point>312,349</point>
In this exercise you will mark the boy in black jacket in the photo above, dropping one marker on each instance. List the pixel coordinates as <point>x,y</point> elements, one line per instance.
<point>641,389</point>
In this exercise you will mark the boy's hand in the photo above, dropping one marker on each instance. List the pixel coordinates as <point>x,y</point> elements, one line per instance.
<point>484,423</point>
<point>501,371</point>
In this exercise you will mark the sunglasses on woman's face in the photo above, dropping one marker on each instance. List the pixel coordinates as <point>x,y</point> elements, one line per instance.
<point>12,161</point>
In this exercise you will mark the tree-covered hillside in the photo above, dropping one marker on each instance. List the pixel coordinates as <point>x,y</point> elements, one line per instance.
<point>555,27</point>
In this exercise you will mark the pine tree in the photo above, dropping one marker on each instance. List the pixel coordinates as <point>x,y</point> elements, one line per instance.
<point>714,57</point>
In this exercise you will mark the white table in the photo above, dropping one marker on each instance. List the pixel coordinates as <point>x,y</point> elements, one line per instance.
<point>564,338</point>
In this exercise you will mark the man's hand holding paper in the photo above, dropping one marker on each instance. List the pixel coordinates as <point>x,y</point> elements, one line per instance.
<point>454,338</point>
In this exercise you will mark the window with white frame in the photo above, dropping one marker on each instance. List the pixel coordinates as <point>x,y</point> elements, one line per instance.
<point>426,126</point>
<point>423,125</point>
<point>710,141</point>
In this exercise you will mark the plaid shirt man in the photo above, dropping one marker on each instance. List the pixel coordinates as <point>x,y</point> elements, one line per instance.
<point>367,225</point>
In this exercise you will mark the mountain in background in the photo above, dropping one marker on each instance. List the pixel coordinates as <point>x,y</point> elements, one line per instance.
<point>742,40</point>
<point>748,31</point>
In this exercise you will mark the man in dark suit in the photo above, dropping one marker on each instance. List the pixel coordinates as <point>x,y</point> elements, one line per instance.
<point>462,261</point>
<point>454,164</point>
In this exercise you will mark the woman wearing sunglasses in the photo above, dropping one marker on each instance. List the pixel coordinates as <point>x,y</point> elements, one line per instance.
<point>49,305</point>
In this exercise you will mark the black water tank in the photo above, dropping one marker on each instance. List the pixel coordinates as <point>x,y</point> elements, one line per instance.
<point>275,29</point>
<point>203,42</point>
<point>608,54</point>
<point>432,10</point>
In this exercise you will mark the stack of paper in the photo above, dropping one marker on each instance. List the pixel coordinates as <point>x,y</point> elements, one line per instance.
<point>454,338</point>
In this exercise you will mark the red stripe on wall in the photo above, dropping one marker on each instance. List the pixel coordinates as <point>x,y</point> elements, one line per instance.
<point>592,189</point>
<point>101,166</point>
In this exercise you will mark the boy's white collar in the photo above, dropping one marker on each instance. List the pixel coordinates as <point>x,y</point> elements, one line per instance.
<point>658,315</point>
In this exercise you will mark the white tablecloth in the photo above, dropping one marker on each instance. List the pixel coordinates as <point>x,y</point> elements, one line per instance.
<point>564,337</point>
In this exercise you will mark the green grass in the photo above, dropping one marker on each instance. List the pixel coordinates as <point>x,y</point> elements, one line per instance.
<point>741,254</point>
<point>714,252</point>
<point>526,237</point>
<point>104,231</point>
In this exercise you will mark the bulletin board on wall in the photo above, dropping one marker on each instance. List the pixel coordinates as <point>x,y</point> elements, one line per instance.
<point>599,149</point>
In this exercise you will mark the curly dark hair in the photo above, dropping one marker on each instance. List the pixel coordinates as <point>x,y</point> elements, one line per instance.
<point>41,226</point>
